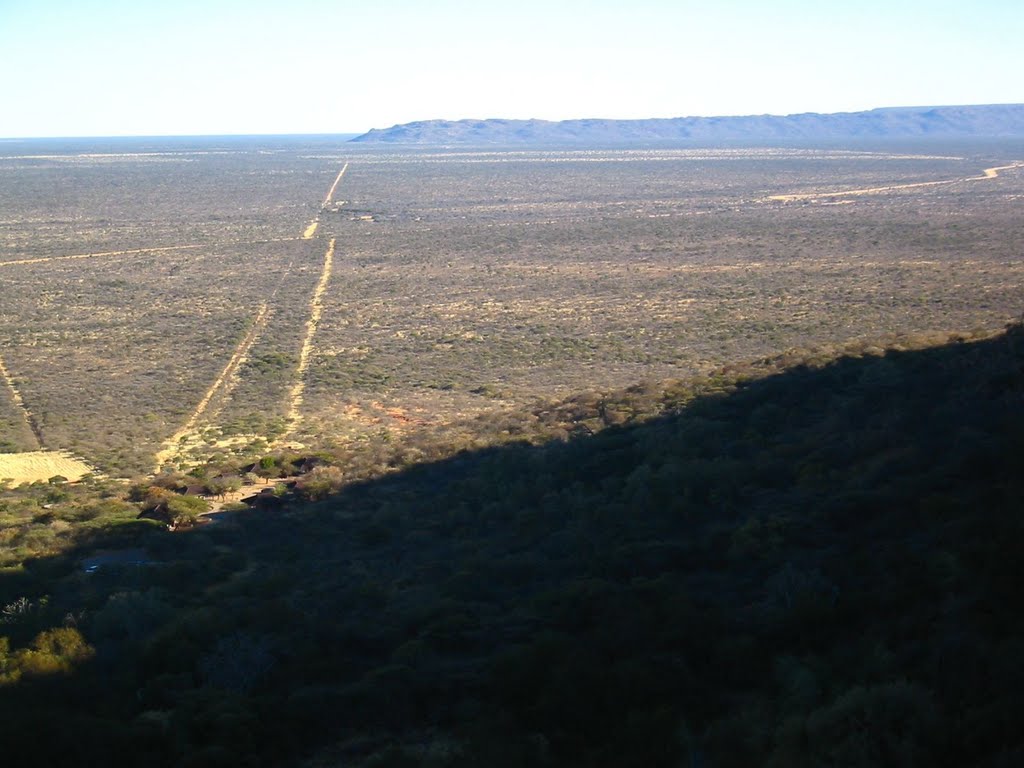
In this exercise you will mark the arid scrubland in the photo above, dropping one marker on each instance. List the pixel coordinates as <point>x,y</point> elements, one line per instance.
<point>470,281</point>
<point>514,458</point>
<point>462,282</point>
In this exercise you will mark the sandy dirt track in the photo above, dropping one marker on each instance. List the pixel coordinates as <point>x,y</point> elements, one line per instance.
<point>334,186</point>
<point>172,444</point>
<point>988,173</point>
<point>316,309</point>
<point>16,398</point>
<point>136,251</point>
<point>991,173</point>
<point>100,254</point>
<point>311,229</point>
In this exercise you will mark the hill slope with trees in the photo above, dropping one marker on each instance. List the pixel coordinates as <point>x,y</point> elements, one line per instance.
<point>815,567</point>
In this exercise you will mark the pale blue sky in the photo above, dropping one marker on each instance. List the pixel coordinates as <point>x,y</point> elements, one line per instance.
<point>113,67</point>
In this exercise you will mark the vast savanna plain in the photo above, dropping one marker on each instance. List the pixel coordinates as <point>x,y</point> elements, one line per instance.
<point>452,457</point>
<point>163,302</point>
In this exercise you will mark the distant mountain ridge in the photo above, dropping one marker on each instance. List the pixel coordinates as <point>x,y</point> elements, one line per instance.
<point>994,120</point>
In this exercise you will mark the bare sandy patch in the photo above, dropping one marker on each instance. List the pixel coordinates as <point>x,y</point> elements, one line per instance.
<point>41,465</point>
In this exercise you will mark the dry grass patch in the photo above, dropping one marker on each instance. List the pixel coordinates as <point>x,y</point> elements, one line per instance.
<point>40,465</point>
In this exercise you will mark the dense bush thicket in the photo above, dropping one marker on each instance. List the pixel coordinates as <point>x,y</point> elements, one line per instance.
<point>817,567</point>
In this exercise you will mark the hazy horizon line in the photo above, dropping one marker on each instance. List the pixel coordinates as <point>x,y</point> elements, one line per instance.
<point>335,134</point>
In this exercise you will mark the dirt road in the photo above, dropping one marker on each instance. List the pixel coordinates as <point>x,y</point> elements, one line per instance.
<point>315,311</point>
<point>136,251</point>
<point>99,254</point>
<point>988,173</point>
<point>991,173</point>
<point>311,229</point>
<point>19,402</point>
<point>172,444</point>
<point>334,186</point>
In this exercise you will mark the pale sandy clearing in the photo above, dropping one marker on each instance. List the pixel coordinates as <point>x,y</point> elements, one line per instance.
<point>41,465</point>
<point>172,445</point>
<point>988,173</point>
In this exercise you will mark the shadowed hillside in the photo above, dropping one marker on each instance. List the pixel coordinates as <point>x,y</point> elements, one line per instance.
<point>819,567</point>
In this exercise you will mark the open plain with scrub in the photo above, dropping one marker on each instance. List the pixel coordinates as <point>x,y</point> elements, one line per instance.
<point>318,454</point>
<point>161,304</point>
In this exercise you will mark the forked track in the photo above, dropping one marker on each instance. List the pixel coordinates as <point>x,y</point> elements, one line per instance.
<point>316,309</point>
<point>226,380</point>
<point>988,173</point>
<point>16,398</point>
<point>170,446</point>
